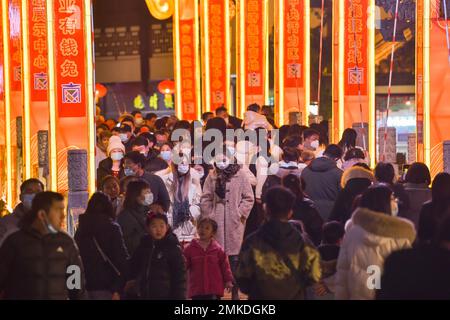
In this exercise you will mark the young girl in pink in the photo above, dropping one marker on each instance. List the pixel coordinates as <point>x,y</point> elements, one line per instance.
<point>207,264</point>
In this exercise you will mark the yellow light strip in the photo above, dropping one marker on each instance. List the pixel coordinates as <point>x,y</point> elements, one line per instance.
<point>26,91</point>
<point>307,62</point>
<point>205,54</point>
<point>341,67</point>
<point>333,78</point>
<point>197,61</point>
<point>426,82</point>
<point>228,56</point>
<point>177,60</point>
<point>90,89</point>
<point>53,161</point>
<point>279,70</point>
<point>7,89</point>
<point>240,30</point>
<point>266,52</point>
<point>372,131</point>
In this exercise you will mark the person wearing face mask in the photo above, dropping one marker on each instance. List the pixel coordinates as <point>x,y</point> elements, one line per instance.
<point>111,166</point>
<point>185,197</point>
<point>232,122</point>
<point>138,199</point>
<point>10,223</point>
<point>34,261</point>
<point>166,152</point>
<point>161,138</point>
<point>134,166</point>
<point>311,141</point>
<point>228,199</point>
<point>372,234</point>
<point>126,136</point>
<point>102,146</point>
<point>138,120</point>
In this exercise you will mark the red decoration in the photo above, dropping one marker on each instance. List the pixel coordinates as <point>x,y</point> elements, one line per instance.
<point>166,87</point>
<point>100,90</point>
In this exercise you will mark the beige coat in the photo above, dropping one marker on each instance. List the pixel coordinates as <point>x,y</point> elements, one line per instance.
<point>370,238</point>
<point>227,212</point>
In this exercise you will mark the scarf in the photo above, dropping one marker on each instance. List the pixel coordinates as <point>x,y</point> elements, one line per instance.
<point>224,176</point>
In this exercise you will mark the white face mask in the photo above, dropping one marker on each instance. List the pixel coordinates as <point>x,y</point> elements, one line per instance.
<point>183,168</point>
<point>123,137</point>
<point>315,144</point>
<point>50,228</point>
<point>201,173</point>
<point>231,150</point>
<point>148,199</point>
<point>166,155</point>
<point>222,165</point>
<point>116,156</point>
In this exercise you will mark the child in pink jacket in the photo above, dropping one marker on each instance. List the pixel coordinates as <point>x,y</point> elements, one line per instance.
<point>207,264</point>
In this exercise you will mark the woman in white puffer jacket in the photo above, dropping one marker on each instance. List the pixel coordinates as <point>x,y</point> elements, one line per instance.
<point>372,234</point>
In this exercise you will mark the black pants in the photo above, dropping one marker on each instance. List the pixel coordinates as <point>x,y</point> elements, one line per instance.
<point>234,261</point>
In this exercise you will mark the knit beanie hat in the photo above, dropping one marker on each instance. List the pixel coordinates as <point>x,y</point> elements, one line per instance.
<point>115,143</point>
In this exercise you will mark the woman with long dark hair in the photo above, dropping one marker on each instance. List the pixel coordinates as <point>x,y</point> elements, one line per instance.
<point>434,212</point>
<point>304,209</point>
<point>136,205</point>
<point>102,249</point>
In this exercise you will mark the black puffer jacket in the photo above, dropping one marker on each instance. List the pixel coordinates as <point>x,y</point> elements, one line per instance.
<point>305,211</point>
<point>159,269</point>
<point>99,274</point>
<point>35,267</point>
<point>105,169</point>
<point>132,222</point>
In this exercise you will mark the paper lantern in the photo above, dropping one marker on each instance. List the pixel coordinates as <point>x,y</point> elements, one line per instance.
<point>100,90</point>
<point>166,87</point>
<point>161,9</point>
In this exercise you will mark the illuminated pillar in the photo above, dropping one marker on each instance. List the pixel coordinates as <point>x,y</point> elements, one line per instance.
<point>426,82</point>
<point>71,88</point>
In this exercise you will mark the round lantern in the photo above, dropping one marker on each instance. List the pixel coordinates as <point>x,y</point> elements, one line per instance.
<point>161,9</point>
<point>100,90</point>
<point>166,87</point>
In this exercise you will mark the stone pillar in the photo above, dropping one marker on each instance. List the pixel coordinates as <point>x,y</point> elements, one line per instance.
<point>363,133</point>
<point>447,156</point>
<point>43,156</point>
<point>77,164</point>
<point>412,148</point>
<point>391,145</point>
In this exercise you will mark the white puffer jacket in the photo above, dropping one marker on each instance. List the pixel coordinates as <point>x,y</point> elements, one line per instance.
<point>370,238</point>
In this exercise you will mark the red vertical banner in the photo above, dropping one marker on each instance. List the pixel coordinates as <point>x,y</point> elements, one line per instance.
<point>356,61</point>
<point>215,48</point>
<point>293,44</point>
<point>37,33</point>
<point>70,61</point>
<point>186,59</point>
<point>291,61</point>
<point>3,176</point>
<point>15,46</point>
<point>355,71</point>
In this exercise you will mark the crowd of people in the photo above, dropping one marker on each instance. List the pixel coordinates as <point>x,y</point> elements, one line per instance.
<point>318,224</point>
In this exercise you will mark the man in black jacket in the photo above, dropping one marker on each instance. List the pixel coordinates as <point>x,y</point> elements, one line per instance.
<point>232,122</point>
<point>134,166</point>
<point>39,261</point>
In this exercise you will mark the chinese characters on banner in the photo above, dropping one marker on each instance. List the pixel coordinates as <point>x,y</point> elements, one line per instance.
<point>188,51</point>
<point>293,44</point>
<point>70,65</point>
<point>356,35</point>
<point>38,49</point>
<point>419,80</point>
<point>218,47</point>
<point>15,47</point>
<point>255,44</point>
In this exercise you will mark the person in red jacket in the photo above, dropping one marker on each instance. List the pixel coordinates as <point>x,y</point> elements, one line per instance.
<point>207,263</point>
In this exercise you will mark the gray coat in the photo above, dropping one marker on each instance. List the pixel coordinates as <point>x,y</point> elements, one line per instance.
<point>227,212</point>
<point>417,194</point>
<point>323,183</point>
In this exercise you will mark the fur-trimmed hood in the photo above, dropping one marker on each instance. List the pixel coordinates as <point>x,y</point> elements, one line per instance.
<point>383,225</point>
<point>356,173</point>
